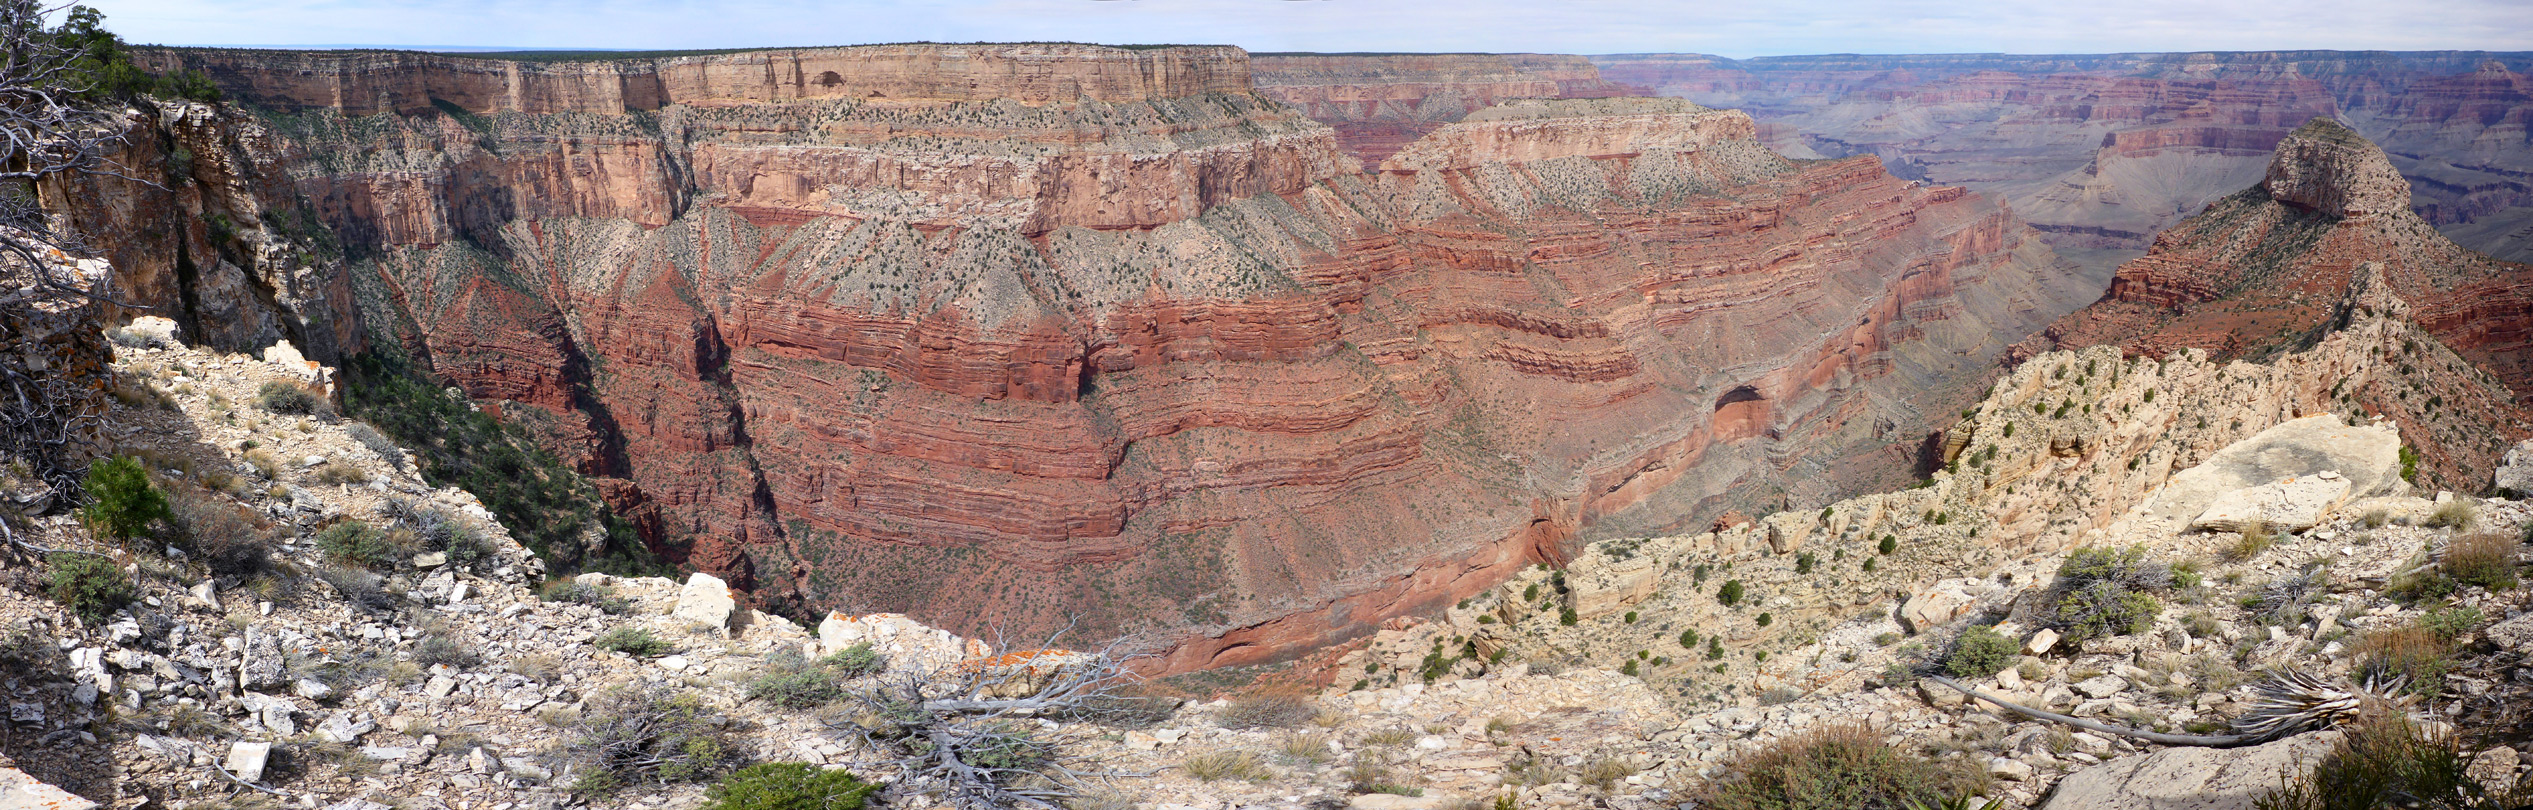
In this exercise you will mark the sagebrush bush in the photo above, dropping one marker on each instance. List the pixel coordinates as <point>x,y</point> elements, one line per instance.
<point>336,472</point>
<point>1980,652</point>
<point>646,735</point>
<point>2256,538</point>
<point>858,659</point>
<point>788,786</point>
<point>124,504</point>
<point>91,586</point>
<point>2104,592</point>
<point>282,397</point>
<point>634,641</point>
<point>358,587</point>
<point>1841,767</point>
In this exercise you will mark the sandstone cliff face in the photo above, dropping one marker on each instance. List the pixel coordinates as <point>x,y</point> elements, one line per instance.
<point>1162,361</point>
<point>203,227</point>
<point>1379,103</point>
<point>2250,275</point>
<point>2102,152</point>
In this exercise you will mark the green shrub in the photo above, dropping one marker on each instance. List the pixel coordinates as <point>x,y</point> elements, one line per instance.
<point>1803,562</point>
<point>855,660</point>
<point>91,586</point>
<point>436,649</point>
<point>1844,767</point>
<point>125,504</point>
<point>282,397</point>
<point>2388,761</point>
<point>794,682</point>
<point>359,543</point>
<point>1566,616</point>
<point>2409,464</point>
<point>1980,652</point>
<point>1766,619</point>
<point>598,596</point>
<point>2103,591</point>
<point>1889,544</point>
<point>646,735</point>
<point>639,642</point>
<point>1730,594</point>
<point>788,786</point>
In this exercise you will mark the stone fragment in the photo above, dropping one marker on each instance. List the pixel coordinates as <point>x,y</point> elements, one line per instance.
<point>2009,769</point>
<point>18,791</point>
<point>2102,686</point>
<point>246,760</point>
<point>430,560</point>
<point>310,689</point>
<point>439,686</point>
<point>705,600</point>
<point>2515,472</point>
<point>262,667</point>
<point>357,804</point>
<point>2295,504</point>
<point>2369,457</point>
<point>2191,778</point>
<point>2514,634</point>
<point>1935,607</point>
<point>342,729</point>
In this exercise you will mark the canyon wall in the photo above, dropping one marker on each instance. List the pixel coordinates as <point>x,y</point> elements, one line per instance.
<point>2101,152</point>
<point>2254,275</point>
<point>1381,102</point>
<point>1152,354</point>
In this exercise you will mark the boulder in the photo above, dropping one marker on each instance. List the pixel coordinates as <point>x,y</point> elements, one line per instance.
<point>1934,607</point>
<point>2368,457</point>
<point>247,759</point>
<point>263,666</point>
<point>2191,778</point>
<point>2515,472</point>
<point>2041,641</point>
<point>903,643</point>
<point>2514,634</point>
<point>19,791</point>
<point>705,600</point>
<point>2293,505</point>
<point>158,332</point>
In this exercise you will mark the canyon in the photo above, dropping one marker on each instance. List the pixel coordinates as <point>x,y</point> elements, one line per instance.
<point>1109,335</point>
<point>2101,152</point>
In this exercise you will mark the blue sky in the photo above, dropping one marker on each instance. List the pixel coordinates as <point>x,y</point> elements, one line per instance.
<point>1737,28</point>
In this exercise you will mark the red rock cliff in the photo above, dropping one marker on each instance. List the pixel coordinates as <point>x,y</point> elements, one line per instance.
<point>1381,102</point>
<point>1169,363</point>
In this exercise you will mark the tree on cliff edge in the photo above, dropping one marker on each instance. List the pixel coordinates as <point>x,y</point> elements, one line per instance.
<point>50,128</point>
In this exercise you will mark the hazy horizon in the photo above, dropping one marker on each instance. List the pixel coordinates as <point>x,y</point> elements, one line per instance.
<point>1737,30</point>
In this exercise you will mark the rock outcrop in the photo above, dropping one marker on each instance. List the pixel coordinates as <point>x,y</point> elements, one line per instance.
<point>2101,152</point>
<point>912,352</point>
<point>1379,103</point>
<point>2255,273</point>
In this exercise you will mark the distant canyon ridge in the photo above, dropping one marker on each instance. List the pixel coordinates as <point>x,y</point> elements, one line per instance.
<point>1243,354</point>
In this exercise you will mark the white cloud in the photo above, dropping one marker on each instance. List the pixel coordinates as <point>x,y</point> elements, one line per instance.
<point>1728,27</point>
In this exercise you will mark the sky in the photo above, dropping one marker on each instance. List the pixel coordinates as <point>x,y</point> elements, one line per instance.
<point>1736,28</point>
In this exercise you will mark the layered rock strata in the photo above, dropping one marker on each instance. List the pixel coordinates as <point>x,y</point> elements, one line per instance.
<point>2251,274</point>
<point>1164,361</point>
<point>1379,103</point>
<point>2102,151</point>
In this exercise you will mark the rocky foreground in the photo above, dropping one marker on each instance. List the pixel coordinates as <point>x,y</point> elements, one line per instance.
<point>394,648</point>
